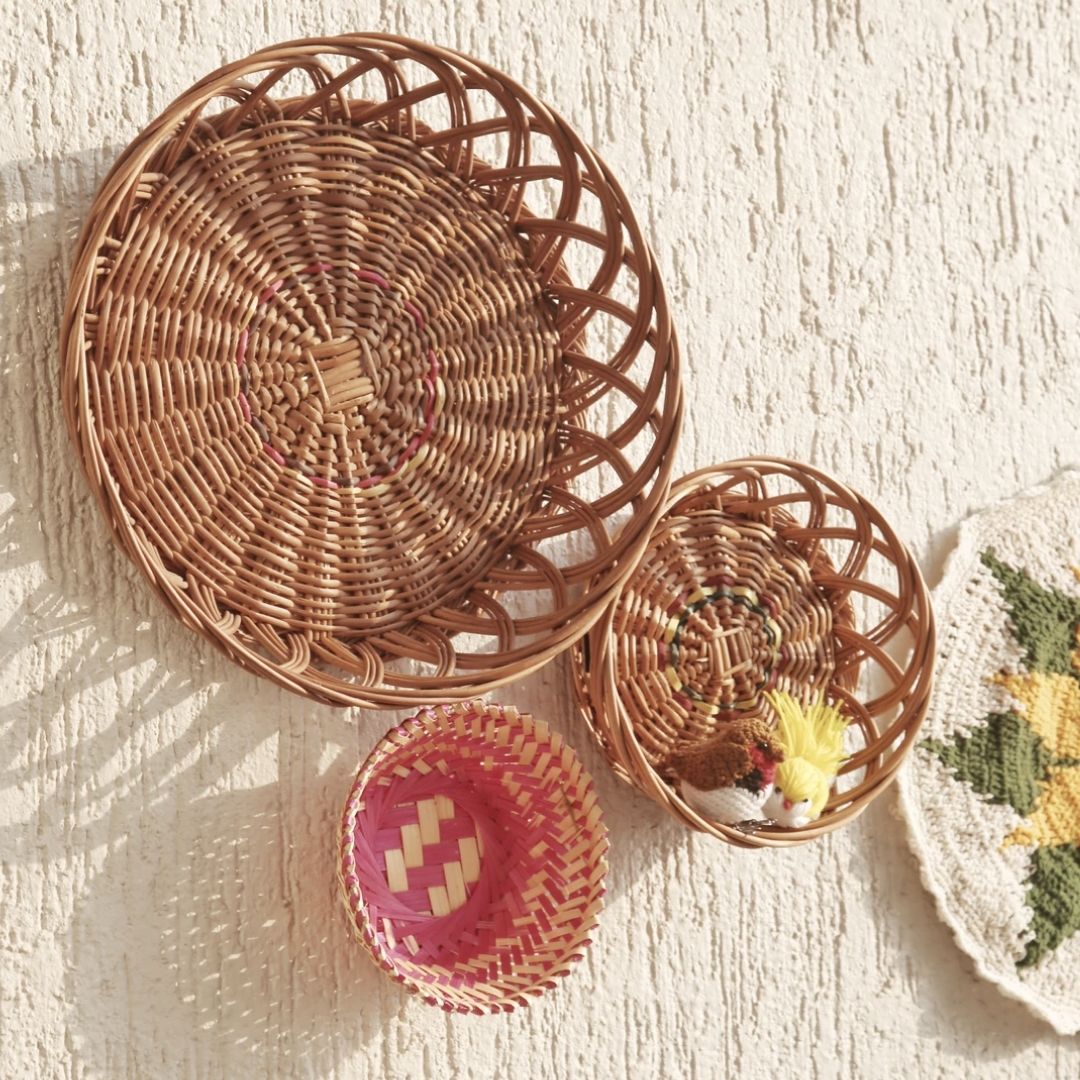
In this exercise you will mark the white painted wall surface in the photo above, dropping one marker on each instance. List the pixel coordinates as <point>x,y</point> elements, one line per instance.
<point>868,214</point>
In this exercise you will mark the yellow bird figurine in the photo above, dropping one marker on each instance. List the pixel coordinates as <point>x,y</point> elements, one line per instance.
<point>813,743</point>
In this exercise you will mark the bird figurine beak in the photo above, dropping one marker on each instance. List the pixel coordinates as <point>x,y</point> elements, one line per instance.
<point>788,804</point>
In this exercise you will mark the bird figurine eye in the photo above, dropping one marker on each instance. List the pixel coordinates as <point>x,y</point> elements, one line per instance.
<point>762,745</point>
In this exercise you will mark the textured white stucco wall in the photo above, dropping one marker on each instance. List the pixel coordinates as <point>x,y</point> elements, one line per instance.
<point>868,214</point>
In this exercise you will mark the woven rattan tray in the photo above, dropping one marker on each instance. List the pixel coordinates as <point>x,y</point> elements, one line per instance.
<point>371,369</point>
<point>762,575</point>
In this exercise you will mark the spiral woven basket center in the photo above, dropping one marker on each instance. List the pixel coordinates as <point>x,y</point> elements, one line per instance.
<point>325,377</point>
<point>721,610</point>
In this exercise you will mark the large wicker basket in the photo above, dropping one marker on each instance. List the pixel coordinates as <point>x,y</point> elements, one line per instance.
<point>473,857</point>
<point>335,388</point>
<point>775,577</point>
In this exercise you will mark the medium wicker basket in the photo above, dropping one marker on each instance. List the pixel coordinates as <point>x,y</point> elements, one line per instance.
<point>473,857</point>
<point>777,577</point>
<point>327,370</point>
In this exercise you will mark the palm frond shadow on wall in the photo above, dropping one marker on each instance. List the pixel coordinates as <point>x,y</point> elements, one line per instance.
<point>205,915</point>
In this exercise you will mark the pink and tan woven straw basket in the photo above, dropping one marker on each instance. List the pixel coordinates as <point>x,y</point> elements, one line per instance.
<point>371,370</point>
<point>473,857</point>
<point>762,575</point>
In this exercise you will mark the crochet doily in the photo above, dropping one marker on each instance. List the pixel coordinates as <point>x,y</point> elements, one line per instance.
<point>992,793</point>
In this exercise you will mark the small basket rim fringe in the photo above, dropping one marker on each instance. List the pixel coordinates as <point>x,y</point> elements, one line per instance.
<point>546,766</point>
<point>888,743</point>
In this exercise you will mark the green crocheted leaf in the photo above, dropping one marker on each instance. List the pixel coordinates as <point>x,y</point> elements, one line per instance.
<point>1044,619</point>
<point>1054,898</point>
<point>1005,761</point>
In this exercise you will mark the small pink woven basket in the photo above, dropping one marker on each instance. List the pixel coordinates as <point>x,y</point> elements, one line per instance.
<point>473,857</point>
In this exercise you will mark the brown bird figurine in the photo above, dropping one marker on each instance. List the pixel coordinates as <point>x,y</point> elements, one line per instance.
<point>728,777</point>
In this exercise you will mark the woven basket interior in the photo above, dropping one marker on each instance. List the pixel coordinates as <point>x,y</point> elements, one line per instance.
<point>331,380</point>
<point>473,857</point>
<point>315,334</point>
<point>762,574</point>
<point>721,610</point>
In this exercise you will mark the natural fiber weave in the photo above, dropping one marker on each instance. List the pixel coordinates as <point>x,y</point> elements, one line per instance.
<point>751,582</point>
<point>992,794</point>
<point>327,372</point>
<point>473,857</point>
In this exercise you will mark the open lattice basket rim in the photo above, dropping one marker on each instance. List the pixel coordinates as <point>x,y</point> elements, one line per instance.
<point>888,718</point>
<point>524,767</point>
<point>602,489</point>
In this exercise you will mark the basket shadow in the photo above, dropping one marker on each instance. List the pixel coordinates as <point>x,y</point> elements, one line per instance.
<point>939,547</point>
<point>214,931</point>
<point>47,504</point>
<point>642,834</point>
<point>39,481</point>
<point>197,927</point>
<point>958,1008</point>
<point>76,617</point>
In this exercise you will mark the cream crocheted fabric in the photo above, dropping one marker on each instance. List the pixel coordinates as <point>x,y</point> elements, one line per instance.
<point>992,792</point>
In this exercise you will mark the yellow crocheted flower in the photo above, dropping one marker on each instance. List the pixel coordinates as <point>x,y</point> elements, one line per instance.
<point>1056,819</point>
<point>1050,703</point>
